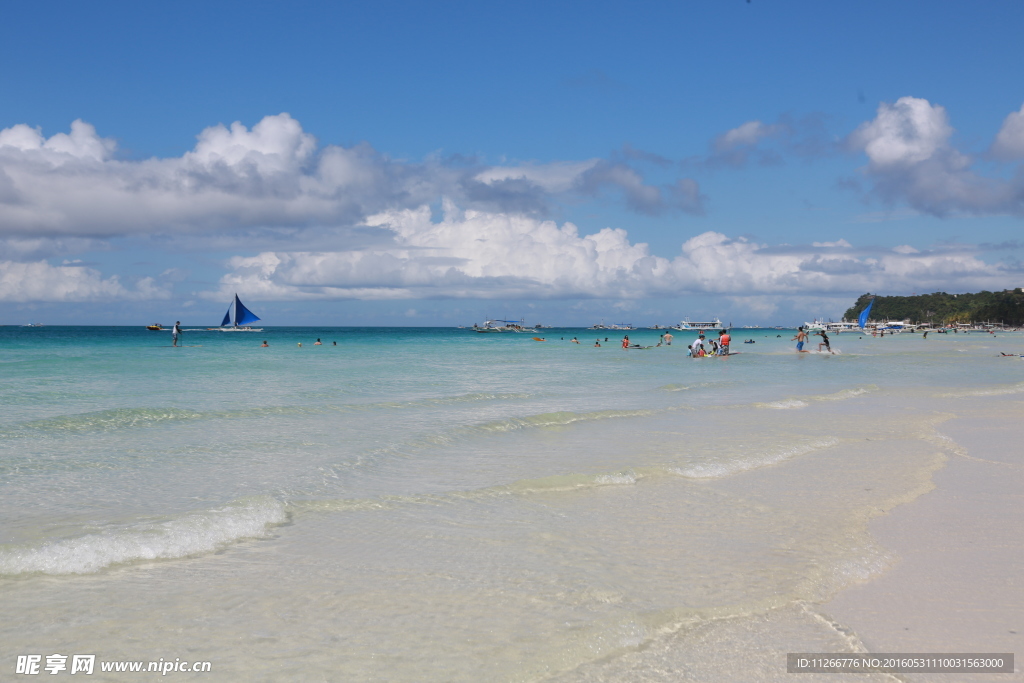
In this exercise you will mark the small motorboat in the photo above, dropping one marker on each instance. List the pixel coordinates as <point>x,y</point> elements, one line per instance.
<point>156,327</point>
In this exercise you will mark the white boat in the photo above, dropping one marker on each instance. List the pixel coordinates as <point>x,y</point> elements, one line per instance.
<point>897,326</point>
<point>503,326</point>
<point>819,325</point>
<point>687,324</point>
<point>237,319</point>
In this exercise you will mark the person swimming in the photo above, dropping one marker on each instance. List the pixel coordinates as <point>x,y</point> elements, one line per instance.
<point>264,344</point>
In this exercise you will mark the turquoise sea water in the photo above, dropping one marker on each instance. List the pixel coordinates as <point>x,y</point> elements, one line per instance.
<point>437,504</point>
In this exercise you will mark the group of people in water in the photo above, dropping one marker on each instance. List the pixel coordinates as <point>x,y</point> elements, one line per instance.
<point>702,347</point>
<point>801,338</point>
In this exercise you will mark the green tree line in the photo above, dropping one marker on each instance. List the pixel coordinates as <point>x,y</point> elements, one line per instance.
<point>941,308</point>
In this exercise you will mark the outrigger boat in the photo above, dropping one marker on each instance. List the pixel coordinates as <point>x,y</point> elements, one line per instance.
<point>503,326</point>
<point>238,317</point>
<point>834,327</point>
<point>715,324</point>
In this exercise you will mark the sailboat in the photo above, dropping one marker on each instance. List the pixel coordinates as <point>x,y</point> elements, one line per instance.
<point>238,317</point>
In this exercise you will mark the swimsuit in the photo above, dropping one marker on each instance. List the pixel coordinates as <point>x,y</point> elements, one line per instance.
<point>799,346</point>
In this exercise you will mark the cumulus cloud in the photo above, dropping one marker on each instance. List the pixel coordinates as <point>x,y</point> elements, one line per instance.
<point>910,159</point>
<point>1009,142</point>
<point>39,281</point>
<point>274,175</point>
<point>475,254</point>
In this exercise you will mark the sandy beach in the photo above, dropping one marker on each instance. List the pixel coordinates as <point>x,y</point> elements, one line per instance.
<point>957,586</point>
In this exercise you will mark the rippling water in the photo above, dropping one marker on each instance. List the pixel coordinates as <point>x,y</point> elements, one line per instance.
<point>435,504</point>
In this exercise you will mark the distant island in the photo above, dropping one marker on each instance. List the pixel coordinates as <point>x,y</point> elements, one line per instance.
<point>1006,307</point>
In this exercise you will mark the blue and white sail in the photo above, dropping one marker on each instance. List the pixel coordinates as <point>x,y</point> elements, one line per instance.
<point>863,319</point>
<point>238,315</point>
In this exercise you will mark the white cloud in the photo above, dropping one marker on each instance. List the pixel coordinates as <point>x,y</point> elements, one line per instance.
<point>40,281</point>
<point>271,176</point>
<point>910,159</point>
<point>766,144</point>
<point>555,177</point>
<point>1009,142</point>
<point>81,143</point>
<point>903,134</point>
<point>475,254</point>
<point>745,135</point>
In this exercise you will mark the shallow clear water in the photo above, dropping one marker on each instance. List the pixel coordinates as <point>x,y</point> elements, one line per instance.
<point>436,504</point>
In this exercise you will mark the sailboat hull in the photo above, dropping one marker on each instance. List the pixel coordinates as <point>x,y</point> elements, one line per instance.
<point>235,329</point>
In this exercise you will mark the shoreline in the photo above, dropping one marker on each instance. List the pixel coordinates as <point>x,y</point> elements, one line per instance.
<point>956,586</point>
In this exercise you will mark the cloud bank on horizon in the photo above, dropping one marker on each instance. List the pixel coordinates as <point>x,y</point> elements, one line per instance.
<point>361,225</point>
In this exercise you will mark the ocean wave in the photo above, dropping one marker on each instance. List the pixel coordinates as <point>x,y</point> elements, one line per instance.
<point>717,470</point>
<point>197,533</point>
<point>847,393</point>
<point>993,391</point>
<point>107,420</point>
<point>550,484</point>
<point>686,387</point>
<point>557,419</point>
<point>133,418</point>
<point>802,402</point>
<point>568,482</point>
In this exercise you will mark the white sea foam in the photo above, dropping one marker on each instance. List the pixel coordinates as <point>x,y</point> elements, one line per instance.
<point>619,478</point>
<point>193,534</point>
<point>787,404</point>
<point>717,470</point>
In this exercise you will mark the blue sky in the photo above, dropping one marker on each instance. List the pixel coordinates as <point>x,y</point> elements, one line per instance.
<point>436,163</point>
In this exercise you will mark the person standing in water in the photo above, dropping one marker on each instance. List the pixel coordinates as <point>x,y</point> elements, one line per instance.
<point>668,339</point>
<point>697,347</point>
<point>175,333</point>
<point>824,342</point>
<point>625,342</point>
<point>723,343</point>
<point>801,339</point>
